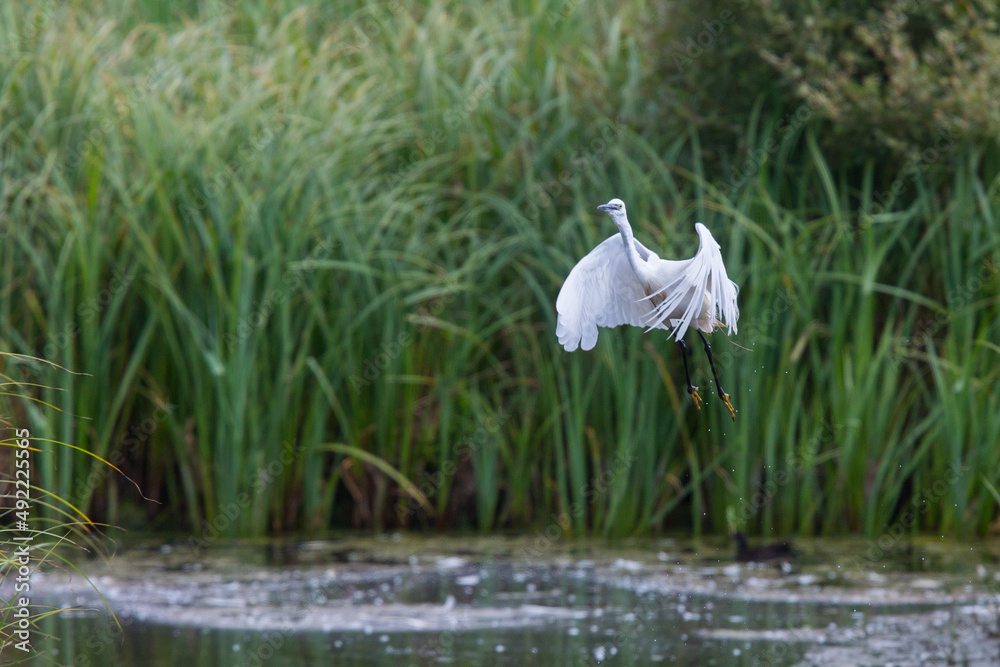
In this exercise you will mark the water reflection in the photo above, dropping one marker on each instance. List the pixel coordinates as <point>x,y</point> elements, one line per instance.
<point>421,602</point>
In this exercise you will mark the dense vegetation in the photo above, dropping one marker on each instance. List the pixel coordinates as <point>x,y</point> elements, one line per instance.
<point>308,255</point>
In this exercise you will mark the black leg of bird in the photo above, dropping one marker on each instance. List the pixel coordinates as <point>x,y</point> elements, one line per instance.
<point>722,392</point>
<point>693,390</point>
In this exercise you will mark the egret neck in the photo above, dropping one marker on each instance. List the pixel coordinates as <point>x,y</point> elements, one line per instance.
<point>620,218</point>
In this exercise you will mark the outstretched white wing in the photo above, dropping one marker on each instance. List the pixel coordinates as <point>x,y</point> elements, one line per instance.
<point>601,291</point>
<point>704,274</point>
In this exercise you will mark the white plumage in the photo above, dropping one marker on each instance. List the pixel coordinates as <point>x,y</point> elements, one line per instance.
<point>623,282</point>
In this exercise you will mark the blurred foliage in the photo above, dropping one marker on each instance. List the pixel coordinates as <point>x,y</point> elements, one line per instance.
<point>888,80</point>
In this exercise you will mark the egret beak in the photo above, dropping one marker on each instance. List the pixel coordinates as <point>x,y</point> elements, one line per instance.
<point>604,207</point>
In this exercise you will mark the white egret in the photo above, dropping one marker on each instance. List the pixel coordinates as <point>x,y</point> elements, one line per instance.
<point>623,282</point>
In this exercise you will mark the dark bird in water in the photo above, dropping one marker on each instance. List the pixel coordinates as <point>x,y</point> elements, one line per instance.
<point>776,551</point>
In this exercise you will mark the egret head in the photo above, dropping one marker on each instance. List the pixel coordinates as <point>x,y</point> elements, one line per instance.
<point>616,209</point>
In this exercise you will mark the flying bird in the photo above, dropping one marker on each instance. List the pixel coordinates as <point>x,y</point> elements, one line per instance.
<point>622,281</point>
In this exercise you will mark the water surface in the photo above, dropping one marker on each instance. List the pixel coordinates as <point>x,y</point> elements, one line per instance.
<point>402,600</point>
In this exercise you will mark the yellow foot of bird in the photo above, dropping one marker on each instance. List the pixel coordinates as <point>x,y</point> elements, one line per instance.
<point>695,396</point>
<point>725,399</point>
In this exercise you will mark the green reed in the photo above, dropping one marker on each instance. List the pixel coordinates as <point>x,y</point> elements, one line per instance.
<point>275,236</point>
